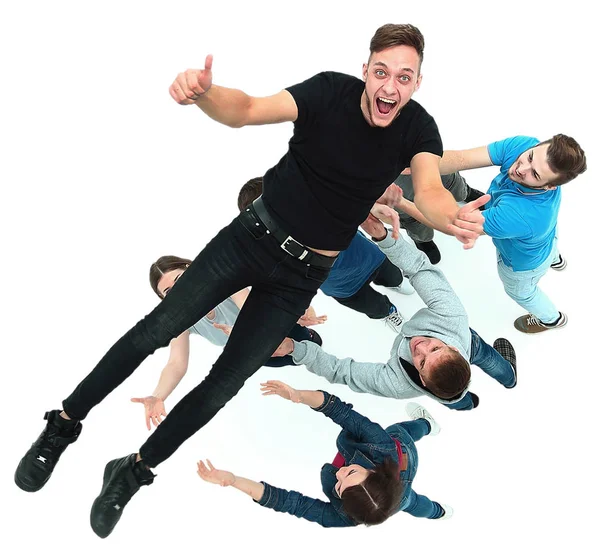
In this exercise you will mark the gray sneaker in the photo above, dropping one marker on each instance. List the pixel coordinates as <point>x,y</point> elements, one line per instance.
<point>394,320</point>
<point>416,411</point>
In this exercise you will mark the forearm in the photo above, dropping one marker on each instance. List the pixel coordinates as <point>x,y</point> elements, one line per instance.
<point>410,208</point>
<point>359,376</point>
<point>170,377</point>
<point>250,487</point>
<point>438,206</point>
<point>452,161</point>
<point>227,106</point>
<point>314,399</point>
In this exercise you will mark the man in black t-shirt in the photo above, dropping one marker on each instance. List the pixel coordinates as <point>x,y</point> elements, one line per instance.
<point>351,140</point>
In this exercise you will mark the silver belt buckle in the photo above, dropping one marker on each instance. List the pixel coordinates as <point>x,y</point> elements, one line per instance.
<point>288,239</point>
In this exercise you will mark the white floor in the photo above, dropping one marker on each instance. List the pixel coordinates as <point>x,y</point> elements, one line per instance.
<point>102,173</point>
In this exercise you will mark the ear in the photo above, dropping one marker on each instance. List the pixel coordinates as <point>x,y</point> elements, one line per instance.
<point>365,68</point>
<point>550,188</point>
<point>422,380</point>
<point>453,348</point>
<point>419,79</point>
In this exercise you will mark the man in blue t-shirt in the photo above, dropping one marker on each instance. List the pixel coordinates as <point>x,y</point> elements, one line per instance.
<point>522,214</point>
<point>350,278</point>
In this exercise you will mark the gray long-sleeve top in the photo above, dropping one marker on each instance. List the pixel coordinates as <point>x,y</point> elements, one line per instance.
<point>444,318</point>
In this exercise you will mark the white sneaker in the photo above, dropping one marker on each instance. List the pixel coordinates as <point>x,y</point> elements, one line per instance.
<point>448,511</point>
<point>404,288</point>
<point>394,320</point>
<point>416,411</point>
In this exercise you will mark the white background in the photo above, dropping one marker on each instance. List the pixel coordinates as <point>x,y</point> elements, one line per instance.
<point>102,172</point>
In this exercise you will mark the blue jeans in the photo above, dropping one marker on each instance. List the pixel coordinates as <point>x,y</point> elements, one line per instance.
<point>241,254</point>
<point>407,433</point>
<point>522,286</point>
<point>491,362</point>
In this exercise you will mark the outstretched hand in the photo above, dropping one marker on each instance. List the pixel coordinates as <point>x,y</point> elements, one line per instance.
<point>225,328</point>
<point>310,318</point>
<point>468,224</point>
<point>154,408</point>
<point>212,475</point>
<point>280,389</point>
<point>190,85</point>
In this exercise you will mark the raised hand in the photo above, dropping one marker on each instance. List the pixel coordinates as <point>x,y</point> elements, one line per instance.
<point>211,475</point>
<point>388,215</point>
<point>392,196</point>
<point>310,318</point>
<point>224,328</point>
<point>280,389</point>
<point>154,408</point>
<point>468,224</point>
<point>193,83</point>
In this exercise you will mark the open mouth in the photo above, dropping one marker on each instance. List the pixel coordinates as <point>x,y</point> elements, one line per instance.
<point>385,106</point>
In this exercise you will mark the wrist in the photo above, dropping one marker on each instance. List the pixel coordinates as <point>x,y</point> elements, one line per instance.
<point>378,239</point>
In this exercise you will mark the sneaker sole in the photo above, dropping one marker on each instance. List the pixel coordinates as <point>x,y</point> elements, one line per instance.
<point>29,489</point>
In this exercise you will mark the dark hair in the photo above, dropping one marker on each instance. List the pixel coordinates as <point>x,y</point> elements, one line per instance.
<point>565,158</point>
<point>377,498</point>
<point>450,376</point>
<point>249,192</point>
<point>396,35</point>
<point>163,265</point>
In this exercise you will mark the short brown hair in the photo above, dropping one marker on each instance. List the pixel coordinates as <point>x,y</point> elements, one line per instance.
<point>249,192</point>
<point>163,265</point>
<point>565,158</point>
<point>391,35</point>
<point>377,498</point>
<point>450,377</point>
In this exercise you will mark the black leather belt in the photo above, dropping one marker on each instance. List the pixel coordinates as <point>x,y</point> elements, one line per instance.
<point>287,242</point>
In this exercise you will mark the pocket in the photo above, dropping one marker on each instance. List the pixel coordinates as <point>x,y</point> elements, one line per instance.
<point>253,225</point>
<point>316,273</point>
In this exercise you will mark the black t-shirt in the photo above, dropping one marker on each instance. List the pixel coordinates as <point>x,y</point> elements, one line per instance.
<point>337,165</point>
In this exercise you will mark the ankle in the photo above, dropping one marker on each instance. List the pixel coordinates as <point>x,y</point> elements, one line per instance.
<point>64,415</point>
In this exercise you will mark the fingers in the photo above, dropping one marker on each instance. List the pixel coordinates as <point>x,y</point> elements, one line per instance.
<point>469,226</point>
<point>138,400</point>
<point>395,225</point>
<point>479,202</point>
<point>148,421</point>
<point>406,171</point>
<point>186,89</point>
<point>208,62</point>
<point>210,465</point>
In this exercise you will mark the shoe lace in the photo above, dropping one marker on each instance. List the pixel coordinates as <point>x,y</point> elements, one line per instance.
<point>532,320</point>
<point>394,319</point>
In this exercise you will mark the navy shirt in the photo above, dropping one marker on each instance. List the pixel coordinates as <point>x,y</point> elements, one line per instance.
<point>353,268</point>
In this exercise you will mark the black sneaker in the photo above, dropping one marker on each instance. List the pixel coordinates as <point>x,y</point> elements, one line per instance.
<point>432,251</point>
<point>315,338</point>
<point>36,467</point>
<point>507,351</point>
<point>122,479</point>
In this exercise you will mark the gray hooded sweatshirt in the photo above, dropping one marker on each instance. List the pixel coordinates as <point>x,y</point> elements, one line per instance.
<point>444,318</point>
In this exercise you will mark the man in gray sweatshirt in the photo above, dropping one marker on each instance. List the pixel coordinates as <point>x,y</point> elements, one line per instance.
<point>432,352</point>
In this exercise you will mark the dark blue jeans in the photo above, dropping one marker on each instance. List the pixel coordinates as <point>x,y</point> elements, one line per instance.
<point>491,362</point>
<point>407,433</point>
<point>241,254</point>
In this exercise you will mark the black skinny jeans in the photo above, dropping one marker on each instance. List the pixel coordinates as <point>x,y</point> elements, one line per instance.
<point>242,254</point>
<point>368,300</point>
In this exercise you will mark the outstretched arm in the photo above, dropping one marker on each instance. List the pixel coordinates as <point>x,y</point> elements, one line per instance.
<point>367,377</point>
<point>280,500</point>
<point>462,160</point>
<point>341,413</point>
<point>231,107</point>
<point>170,377</point>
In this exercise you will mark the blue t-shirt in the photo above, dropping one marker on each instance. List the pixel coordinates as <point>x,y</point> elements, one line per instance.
<point>353,268</point>
<point>520,220</point>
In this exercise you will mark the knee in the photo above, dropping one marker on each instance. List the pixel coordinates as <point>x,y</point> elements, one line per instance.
<point>150,334</point>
